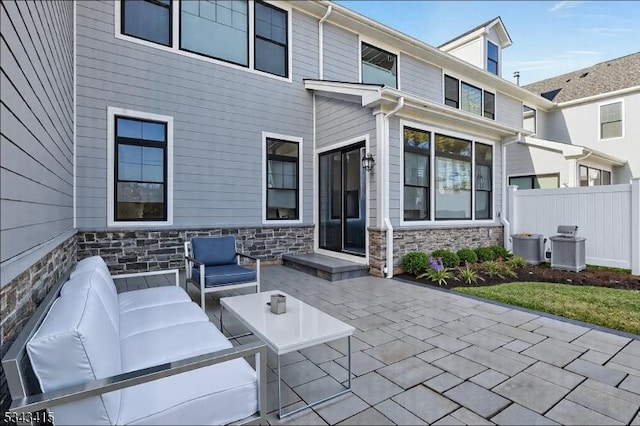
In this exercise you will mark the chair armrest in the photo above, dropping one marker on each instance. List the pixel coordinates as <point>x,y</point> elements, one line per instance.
<point>121,381</point>
<point>247,256</point>
<point>196,261</point>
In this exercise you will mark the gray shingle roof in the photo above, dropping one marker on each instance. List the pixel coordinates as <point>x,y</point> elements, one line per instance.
<point>605,77</point>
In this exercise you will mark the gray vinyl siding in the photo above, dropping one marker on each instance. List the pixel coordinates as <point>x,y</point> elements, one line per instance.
<point>420,78</point>
<point>37,127</point>
<point>219,114</point>
<point>339,121</point>
<point>341,52</point>
<point>508,110</point>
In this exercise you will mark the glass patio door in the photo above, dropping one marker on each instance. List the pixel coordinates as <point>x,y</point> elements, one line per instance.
<point>342,201</point>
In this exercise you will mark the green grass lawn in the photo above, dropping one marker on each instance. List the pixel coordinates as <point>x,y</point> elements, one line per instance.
<point>608,307</point>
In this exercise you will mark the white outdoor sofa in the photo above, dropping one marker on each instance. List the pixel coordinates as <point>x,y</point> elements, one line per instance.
<point>140,357</point>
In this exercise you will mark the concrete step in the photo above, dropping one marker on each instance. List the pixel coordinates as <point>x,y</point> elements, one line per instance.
<point>325,267</point>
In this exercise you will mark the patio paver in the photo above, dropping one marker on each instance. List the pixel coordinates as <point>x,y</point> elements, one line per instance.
<point>420,355</point>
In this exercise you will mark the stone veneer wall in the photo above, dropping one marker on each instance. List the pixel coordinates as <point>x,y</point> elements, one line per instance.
<point>377,251</point>
<point>20,298</point>
<point>429,239</point>
<point>146,250</point>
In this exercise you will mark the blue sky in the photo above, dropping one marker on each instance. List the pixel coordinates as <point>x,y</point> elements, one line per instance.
<point>549,37</point>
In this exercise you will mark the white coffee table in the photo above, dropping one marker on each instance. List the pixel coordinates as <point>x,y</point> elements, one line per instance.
<point>299,327</point>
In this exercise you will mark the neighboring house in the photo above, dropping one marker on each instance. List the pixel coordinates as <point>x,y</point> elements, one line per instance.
<point>123,136</point>
<point>591,136</point>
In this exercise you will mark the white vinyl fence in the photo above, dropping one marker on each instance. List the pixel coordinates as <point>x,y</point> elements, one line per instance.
<point>607,216</point>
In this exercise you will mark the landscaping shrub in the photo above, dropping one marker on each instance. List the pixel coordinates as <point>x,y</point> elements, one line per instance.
<point>485,254</point>
<point>499,251</point>
<point>517,262</point>
<point>437,273</point>
<point>467,255</point>
<point>415,262</point>
<point>469,275</point>
<point>449,258</point>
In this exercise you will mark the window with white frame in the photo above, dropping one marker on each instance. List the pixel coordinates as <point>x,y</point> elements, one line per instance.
<point>148,20</point>
<point>379,66</point>
<point>611,120</point>
<point>216,30</point>
<point>467,97</point>
<point>140,168</point>
<point>493,54</point>
<point>453,160</point>
<point>546,181</point>
<point>282,192</point>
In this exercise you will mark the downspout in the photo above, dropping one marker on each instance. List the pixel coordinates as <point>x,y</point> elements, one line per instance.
<point>321,43</point>
<point>503,219</point>
<point>385,185</point>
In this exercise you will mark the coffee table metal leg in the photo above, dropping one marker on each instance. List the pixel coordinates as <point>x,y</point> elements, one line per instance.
<point>342,392</point>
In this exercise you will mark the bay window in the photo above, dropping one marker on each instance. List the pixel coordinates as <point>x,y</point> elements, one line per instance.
<point>439,182</point>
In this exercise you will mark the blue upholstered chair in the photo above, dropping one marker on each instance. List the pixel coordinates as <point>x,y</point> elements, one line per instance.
<point>213,264</point>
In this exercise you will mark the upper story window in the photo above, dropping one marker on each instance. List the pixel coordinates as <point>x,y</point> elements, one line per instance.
<point>379,66</point>
<point>148,20</point>
<point>492,58</point>
<point>611,120</point>
<point>471,99</point>
<point>451,91</point>
<point>271,40</point>
<point>489,105</point>
<point>529,119</point>
<point>467,97</point>
<point>218,29</point>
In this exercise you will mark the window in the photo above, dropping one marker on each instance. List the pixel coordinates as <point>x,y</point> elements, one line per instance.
<point>484,184</point>
<point>140,191</point>
<point>271,40</point>
<point>216,28</point>
<point>590,176</point>
<point>489,105</point>
<point>451,91</point>
<point>148,20</point>
<point>611,120</point>
<point>379,66</point>
<point>536,181</point>
<point>282,179</point>
<point>471,99</point>
<point>492,58</point>
<point>529,119</point>
<point>452,178</point>
<point>417,145</point>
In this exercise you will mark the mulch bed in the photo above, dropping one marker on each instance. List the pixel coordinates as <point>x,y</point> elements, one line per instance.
<point>543,273</point>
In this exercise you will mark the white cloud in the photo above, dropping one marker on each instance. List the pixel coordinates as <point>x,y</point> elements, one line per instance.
<point>562,5</point>
<point>529,65</point>
<point>582,52</point>
<point>608,31</point>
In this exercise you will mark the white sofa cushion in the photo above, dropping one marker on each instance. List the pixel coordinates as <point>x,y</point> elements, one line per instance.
<point>219,394</point>
<point>154,296</point>
<point>76,343</point>
<point>161,316</point>
<point>95,263</point>
<point>168,344</point>
<point>95,281</point>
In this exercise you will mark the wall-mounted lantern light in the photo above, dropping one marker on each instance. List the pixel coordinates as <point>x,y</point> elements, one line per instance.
<point>368,162</point>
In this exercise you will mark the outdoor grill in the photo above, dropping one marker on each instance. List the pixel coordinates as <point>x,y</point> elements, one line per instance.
<point>568,250</point>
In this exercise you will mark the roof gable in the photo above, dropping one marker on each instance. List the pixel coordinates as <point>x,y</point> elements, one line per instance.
<point>496,23</point>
